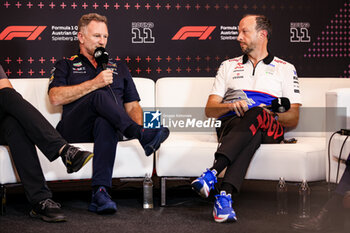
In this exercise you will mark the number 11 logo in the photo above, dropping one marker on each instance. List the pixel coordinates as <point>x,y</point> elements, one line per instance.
<point>142,35</point>
<point>299,35</point>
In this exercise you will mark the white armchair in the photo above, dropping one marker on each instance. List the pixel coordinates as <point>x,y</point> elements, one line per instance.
<point>338,117</point>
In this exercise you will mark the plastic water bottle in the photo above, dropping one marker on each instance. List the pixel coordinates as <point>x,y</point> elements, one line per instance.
<point>304,200</point>
<point>148,192</point>
<point>282,197</point>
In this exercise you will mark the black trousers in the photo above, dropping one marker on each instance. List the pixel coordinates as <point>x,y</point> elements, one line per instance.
<point>21,128</point>
<point>97,118</point>
<point>240,137</point>
<point>344,183</point>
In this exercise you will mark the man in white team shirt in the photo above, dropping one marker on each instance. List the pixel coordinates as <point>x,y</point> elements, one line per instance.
<point>242,86</point>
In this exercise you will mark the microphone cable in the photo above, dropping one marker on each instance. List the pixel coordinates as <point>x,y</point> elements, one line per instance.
<point>112,92</point>
<point>339,158</point>
<point>329,160</point>
<point>104,67</point>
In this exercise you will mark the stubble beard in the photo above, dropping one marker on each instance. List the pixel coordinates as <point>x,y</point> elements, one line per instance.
<point>246,50</point>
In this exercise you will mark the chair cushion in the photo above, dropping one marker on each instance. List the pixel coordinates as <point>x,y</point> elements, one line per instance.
<point>188,154</point>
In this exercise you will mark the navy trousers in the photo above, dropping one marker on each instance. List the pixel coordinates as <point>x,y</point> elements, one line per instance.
<point>21,128</point>
<point>240,137</point>
<point>97,118</point>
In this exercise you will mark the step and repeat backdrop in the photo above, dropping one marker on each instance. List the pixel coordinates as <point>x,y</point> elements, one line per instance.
<point>163,38</point>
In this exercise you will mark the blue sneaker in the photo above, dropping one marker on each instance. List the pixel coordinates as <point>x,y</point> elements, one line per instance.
<point>101,202</point>
<point>223,211</point>
<point>203,184</point>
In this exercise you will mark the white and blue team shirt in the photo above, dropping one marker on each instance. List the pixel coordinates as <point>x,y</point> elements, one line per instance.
<point>237,79</point>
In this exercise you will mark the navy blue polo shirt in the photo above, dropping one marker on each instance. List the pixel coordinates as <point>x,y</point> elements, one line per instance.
<point>78,69</point>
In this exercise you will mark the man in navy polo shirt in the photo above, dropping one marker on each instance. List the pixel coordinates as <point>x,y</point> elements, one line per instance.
<point>99,105</point>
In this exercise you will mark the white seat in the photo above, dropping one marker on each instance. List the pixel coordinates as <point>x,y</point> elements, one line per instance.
<point>188,154</point>
<point>130,157</point>
<point>338,100</point>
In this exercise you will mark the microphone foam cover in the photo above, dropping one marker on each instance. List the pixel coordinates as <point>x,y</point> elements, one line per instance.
<point>280,105</point>
<point>101,56</point>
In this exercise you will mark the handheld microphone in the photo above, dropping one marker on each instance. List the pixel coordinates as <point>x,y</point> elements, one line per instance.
<point>281,104</point>
<point>101,56</point>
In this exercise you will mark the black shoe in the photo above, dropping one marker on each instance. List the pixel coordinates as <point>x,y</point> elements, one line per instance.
<point>152,138</point>
<point>321,222</point>
<point>74,158</point>
<point>48,210</point>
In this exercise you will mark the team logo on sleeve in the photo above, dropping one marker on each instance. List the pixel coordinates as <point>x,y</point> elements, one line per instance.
<point>53,70</point>
<point>72,57</point>
<point>52,74</point>
<point>78,68</point>
<point>113,67</point>
<point>296,83</point>
<point>77,64</point>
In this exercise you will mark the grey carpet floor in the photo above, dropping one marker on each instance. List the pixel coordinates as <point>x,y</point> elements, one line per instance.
<point>255,207</point>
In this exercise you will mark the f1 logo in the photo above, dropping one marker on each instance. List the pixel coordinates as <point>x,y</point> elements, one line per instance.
<point>202,32</point>
<point>29,32</point>
<point>151,119</point>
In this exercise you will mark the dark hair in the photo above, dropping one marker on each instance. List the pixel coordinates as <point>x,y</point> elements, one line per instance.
<point>86,19</point>
<point>262,23</point>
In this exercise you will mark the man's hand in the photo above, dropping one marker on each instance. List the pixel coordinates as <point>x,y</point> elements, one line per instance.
<point>267,110</point>
<point>215,107</point>
<point>104,78</point>
<point>289,118</point>
<point>240,107</point>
